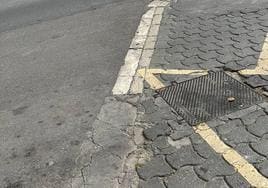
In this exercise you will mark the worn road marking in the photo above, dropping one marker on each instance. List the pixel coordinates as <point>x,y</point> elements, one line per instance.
<point>178,71</point>
<point>262,65</point>
<point>134,84</point>
<point>149,75</point>
<point>151,79</point>
<point>142,44</point>
<point>261,69</point>
<point>247,170</point>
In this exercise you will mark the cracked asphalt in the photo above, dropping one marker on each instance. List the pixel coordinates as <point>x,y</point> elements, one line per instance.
<point>59,60</point>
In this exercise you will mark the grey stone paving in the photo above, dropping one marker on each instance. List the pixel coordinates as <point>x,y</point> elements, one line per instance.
<point>230,39</point>
<point>59,59</point>
<point>193,163</point>
<point>214,35</point>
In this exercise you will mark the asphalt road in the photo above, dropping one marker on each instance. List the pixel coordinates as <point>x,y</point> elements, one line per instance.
<point>19,13</point>
<point>58,60</point>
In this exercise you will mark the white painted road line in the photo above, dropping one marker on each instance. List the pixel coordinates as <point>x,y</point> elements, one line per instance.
<point>140,50</point>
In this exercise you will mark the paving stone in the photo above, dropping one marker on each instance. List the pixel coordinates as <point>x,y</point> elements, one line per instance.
<point>159,129</point>
<point>242,44</point>
<point>234,132</point>
<point>217,182</point>
<point>182,130</point>
<point>260,127</point>
<point>201,146</point>
<point>176,78</point>
<point>211,63</point>
<point>184,156</point>
<point>162,43</point>
<point>151,183</point>
<point>159,101</point>
<point>194,45</point>
<point>210,46</point>
<point>191,61</point>
<point>213,167</point>
<point>182,78</point>
<point>265,77</point>
<point>186,178</point>
<point>173,124</point>
<point>250,155</point>
<point>233,66</point>
<point>263,168</point>
<point>209,55</point>
<point>179,143</point>
<point>264,106</point>
<point>244,112</point>
<point>177,57</point>
<point>257,32</point>
<point>149,106</point>
<point>175,65</point>
<point>160,142</point>
<point>236,180</point>
<point>191,56</point>
<point>215,123</point>
<point>252,117</point>
<point>261,146</point>
<point>226,57</point>
<point>159,61</point>
<point>228,126</point>
<point>197,38</point>
<point>246,52</point>
<point>257,48</point>
<point>249,67</point>
<point>256,40</point>
<point>256,81</point>
<point>160,115</point>
<point>209,42</point>
<point>156,167</point>
<point>265,88</point>
<point>246,61</point>
<point>175,48</point>
<point>167,77</point>
<point>161,146</point>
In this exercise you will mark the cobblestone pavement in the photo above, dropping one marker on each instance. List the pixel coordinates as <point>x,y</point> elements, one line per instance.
<point>213,35</point>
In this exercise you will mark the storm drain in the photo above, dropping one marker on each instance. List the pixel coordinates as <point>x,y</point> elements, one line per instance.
<point>207,97</point>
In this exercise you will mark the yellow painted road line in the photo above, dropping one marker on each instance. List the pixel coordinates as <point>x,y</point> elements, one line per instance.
<point>262,65</point>
<point>178,71</point>
<point>151,79</point>
<point>247,170</point>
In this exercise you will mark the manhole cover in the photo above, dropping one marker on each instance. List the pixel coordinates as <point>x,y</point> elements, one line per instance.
<point>206,97</point>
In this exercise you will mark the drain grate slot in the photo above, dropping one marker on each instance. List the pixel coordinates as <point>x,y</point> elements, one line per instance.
<point>207,97</point>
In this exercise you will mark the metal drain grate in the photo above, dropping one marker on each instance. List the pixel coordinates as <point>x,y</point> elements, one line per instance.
<point>206,97</point>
